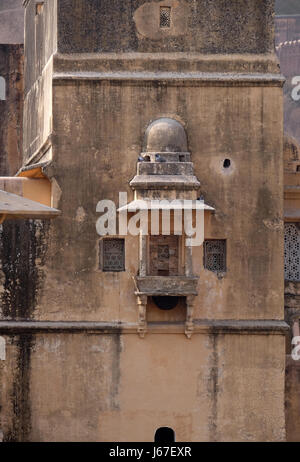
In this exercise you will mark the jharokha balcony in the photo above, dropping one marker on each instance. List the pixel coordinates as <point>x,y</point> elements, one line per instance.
<point>166,289</point>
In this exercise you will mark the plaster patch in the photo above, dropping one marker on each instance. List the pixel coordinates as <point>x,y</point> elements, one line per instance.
<point>52,345</point>
<point>98,348</point>
<point>275,225</point>
<point>102,347</point>
<point>80,215</point>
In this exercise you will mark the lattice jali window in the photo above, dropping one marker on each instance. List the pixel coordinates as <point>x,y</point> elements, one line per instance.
<point>112,255</point>
<point>215,255</point>
<point>291,252</point>
<point>165,16</point>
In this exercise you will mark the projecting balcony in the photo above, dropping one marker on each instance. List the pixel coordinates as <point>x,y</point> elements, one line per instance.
<point>170,286</point>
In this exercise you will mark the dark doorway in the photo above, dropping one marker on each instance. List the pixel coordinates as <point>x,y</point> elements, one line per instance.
<point>164,435</point>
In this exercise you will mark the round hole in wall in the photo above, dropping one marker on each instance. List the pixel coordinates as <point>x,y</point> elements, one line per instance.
<point>226,163</point>
<point>166,303</point>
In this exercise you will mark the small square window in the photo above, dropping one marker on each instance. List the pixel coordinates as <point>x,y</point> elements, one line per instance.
<point>215,255</point>
<point>112,255</point>
<point>165,16</point>
<point>292,252</point>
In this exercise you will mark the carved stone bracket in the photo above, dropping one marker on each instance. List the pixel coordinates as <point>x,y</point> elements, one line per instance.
<point>189,325</point>
<point>142,304</point>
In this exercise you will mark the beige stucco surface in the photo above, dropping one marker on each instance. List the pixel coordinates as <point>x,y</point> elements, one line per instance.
<point>92,110</point>
<point>250,221</point>
<point>121,388</point>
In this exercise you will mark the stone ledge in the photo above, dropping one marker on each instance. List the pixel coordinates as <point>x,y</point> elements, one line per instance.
<point>172,62</point>
<point>250,327</point>
<point>167,168</point>
<point>182,182</point>
<point>167,285</point>
<point>174,78</point>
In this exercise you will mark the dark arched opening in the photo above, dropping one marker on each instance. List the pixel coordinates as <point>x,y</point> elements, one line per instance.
<point>166,303</point>
<point>164,435</point>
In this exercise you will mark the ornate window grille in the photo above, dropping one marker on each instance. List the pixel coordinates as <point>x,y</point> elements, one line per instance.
<point>112,255</point>
<point>291,252</point>
<point>165,16</point>
<point>215,255</point>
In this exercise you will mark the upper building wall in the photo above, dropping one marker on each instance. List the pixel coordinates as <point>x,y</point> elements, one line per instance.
<point>56,28</point>
<point>205,26</point>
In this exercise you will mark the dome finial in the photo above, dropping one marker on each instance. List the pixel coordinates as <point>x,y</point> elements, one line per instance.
<point>165,135</point>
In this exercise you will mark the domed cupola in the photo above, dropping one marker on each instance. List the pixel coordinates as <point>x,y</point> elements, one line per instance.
<point>165,164</point>
<point>165,135</point>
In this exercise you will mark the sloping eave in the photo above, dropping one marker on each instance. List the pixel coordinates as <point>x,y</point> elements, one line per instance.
<point>177,204</point>
<point>17,207</point>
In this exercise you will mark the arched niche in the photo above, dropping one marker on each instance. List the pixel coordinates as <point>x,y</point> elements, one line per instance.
<point>164,435</point>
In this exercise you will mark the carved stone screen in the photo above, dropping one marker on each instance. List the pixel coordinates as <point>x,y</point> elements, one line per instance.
<point>165,17</point>
<point>215,255</point>
<point>164,255</point>
<point>112,255</point>
<point>292,252</point>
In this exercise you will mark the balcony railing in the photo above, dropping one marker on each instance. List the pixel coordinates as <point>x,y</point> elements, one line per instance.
<point>167,285</point>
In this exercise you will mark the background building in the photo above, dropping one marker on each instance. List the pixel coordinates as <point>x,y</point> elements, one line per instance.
<point>11,85</point>
<point>11,21</point>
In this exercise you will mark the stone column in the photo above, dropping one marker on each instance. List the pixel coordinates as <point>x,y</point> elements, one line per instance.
<point>189,326</point>
<point>143,255</point>
<point>188,261</point>
<point>142,305</point>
